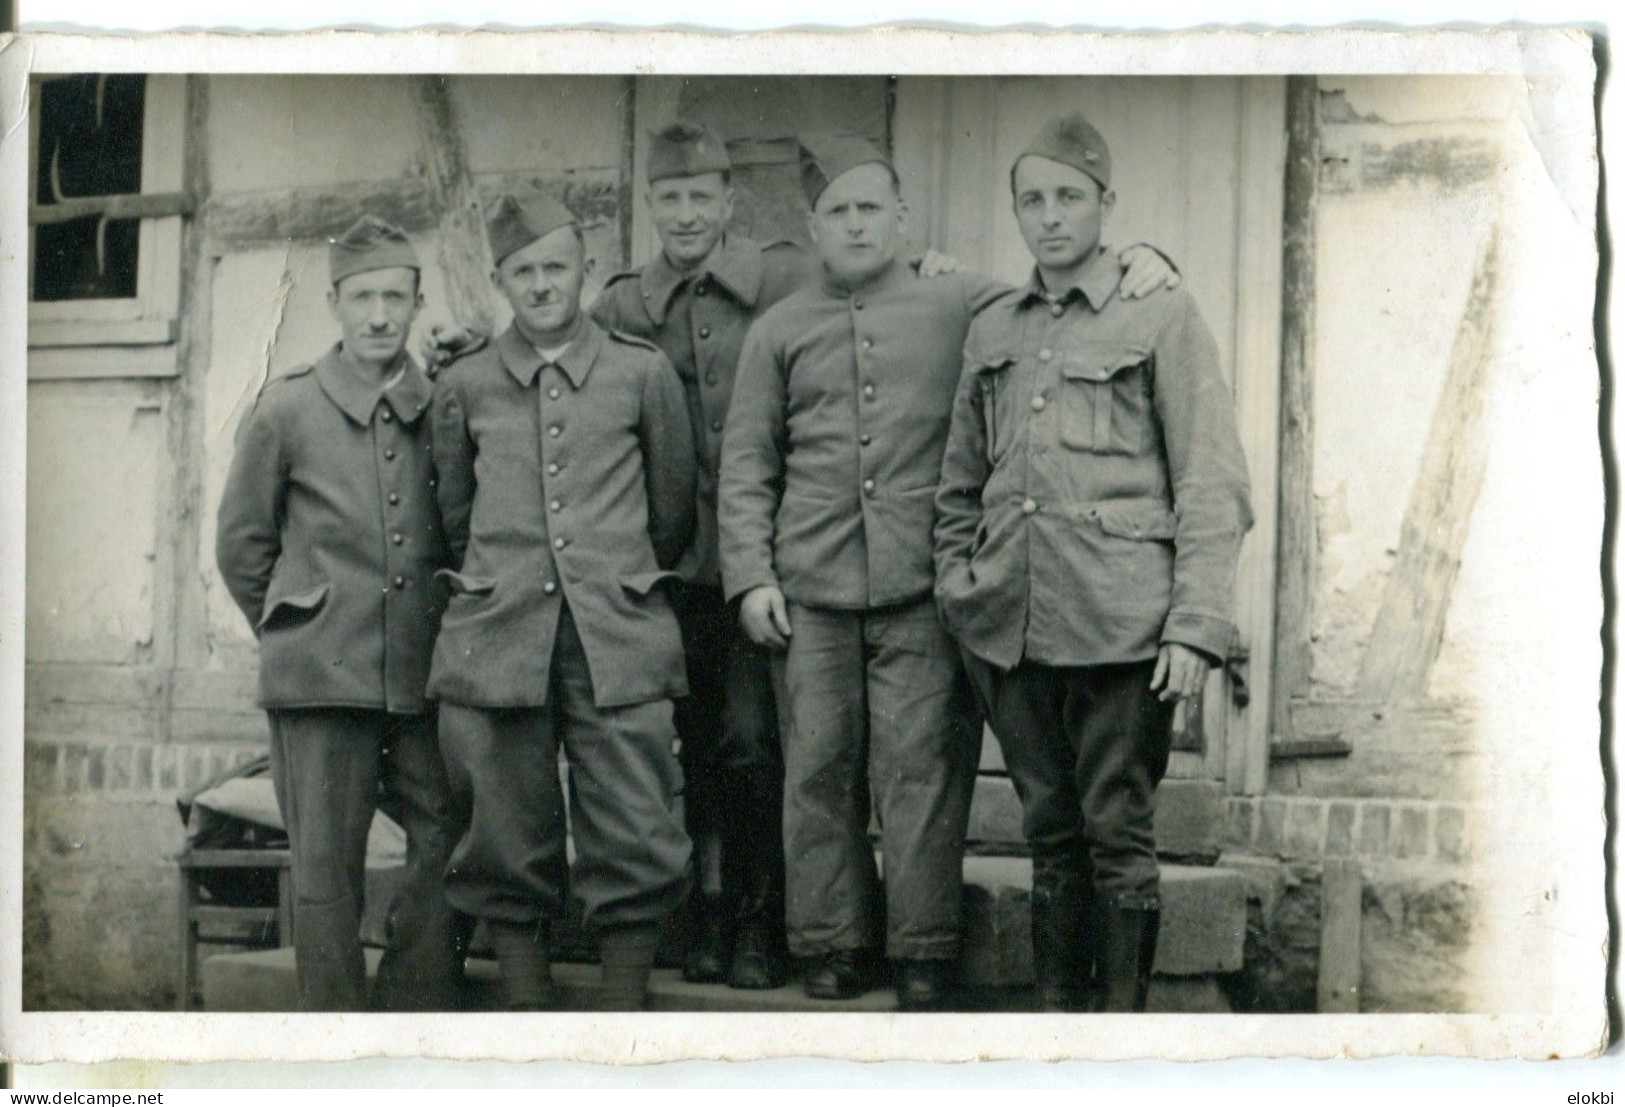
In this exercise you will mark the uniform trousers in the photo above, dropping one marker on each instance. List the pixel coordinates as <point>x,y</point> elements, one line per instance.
<point>631,850</point>
<point>1086,748</point>
<point>877,716</point>
<point>332,769</point>
<point>733,770</point>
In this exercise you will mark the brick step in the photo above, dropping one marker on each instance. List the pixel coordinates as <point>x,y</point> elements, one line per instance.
<point>1204,925</point>
<point>264,981</point>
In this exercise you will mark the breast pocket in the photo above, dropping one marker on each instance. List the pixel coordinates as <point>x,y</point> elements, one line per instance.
<point>1106,399</point>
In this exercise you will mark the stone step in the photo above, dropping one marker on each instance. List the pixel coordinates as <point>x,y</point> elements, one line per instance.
<point>1203,928</point>
<point>1189,820</point>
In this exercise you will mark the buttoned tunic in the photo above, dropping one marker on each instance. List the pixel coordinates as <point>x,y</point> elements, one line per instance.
<point>571,481</point>
<point>699,319</point>
<point>1094,492</point>
<point>328,537</point>
<point>833,446</point>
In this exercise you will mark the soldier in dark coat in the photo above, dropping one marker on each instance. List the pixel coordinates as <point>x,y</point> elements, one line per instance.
<point>566,482</point>
<point>329,541</point>
<point>1094,497</point>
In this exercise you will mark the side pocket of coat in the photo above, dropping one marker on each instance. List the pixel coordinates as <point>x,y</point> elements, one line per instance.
<point>292,608</point>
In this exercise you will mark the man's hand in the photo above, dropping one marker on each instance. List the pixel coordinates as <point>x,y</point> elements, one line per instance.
<point>1180,672</point>
<point>446,342</point>
<point>765,618</point>
<point>934,264</point>
<point>1147,272</point>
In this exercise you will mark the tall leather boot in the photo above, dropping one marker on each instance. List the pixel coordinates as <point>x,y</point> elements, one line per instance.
<point>761,958</point>
<point>1063,941</point>
<point>1128,946</point>
<point>523,959</point>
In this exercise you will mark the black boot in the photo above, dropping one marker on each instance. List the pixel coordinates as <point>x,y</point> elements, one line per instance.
<point>522,951</point>
<point>1064,943</point>
<point>760,960</point>
<point>1128,947</point>
<point>705,961</point>
<point>924,985</point>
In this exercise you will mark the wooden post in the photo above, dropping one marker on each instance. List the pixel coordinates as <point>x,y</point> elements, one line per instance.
<point>464,260</point>
<point>1295,546</point>
<point>1338,989</point>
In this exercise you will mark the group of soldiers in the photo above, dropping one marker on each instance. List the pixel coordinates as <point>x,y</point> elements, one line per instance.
<point>760,541</point>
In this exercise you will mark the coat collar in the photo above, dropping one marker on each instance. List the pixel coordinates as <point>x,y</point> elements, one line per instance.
<point>1096,283</point>
<point>523,361</point>
<point>352,393</point>
<point>735,265</point>
<point>898,271</point>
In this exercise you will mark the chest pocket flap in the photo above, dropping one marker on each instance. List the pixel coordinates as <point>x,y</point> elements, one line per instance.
<point>1106,398</point>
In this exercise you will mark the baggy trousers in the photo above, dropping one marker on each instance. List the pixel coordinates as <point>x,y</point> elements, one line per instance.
<point>733,769</point>
<point>877,711</point>
<point>509,862</point>
<point>1086,749</point>
<point>332,769</point>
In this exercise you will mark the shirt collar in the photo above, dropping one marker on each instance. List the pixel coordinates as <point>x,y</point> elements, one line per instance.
<point>735,265</point>
<point>348,386</point>
<point>524,361</point>
<point>1096,283</point>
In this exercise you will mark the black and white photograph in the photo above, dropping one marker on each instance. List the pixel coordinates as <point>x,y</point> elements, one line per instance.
<point>1058,546</point>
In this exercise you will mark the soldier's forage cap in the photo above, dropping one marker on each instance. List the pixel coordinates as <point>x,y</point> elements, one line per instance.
<point>369,244</point>
<point>1071,140</point>
<point>686,150</point>
<point>516,223</point>
<point>825,157</point>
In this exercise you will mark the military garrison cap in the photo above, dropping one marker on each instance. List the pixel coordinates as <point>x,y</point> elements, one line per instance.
<point>825,157</point>
<point>369,244</point>
<point>686,150</point>
<point>517,223</point>
<point>1071,140</point>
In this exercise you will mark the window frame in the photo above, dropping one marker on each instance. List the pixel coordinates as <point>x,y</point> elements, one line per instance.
<point>127,337</point>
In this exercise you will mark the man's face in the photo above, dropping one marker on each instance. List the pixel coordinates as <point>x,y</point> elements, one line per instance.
<point>690,214</point>
<point>375,312</point>
<point>1060,209</point>
<point>857,223</point>
<point>542,282</point>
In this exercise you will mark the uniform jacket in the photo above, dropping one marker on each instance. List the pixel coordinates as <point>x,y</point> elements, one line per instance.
<point>699,320</point>
<point>833,446</point>
<point>329,538</point>
<point>1094,492</point>
<point>569,482</point>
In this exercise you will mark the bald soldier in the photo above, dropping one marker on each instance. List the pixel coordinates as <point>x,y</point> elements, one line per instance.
<point>830,462</point>
<point>328,541</point>
<point>1094,497</point>
<point>566,481</point>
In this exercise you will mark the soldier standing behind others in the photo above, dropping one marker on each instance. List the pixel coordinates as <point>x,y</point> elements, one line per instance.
<point>831,457</point>
<point>328,541</point>
<point>1094,497</point>
<point>695,300</point>
<point>566,481</point>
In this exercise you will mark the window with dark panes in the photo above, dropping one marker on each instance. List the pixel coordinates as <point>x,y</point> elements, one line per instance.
<point>90,143</point>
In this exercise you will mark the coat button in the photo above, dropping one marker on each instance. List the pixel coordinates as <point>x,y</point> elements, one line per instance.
<point>554,431</point>
<point>1046,354</point>
<point>552,468</point>
<point>549,587</point>
<point>716,426</point>
<point>1039,403</point>
<point>868,344</point>
<point>710,378</point>
<point>869,391</point>
<point>552,393</point>
<point>865,439</point>
<point>869,487</point>
<point>705,332</point>
<point>386,415</point>
<point>857,305</point>
<point>702,288</point>
<point>400,582</point>
<point>1029,507</point>
<point>389,455</point>
<point>398,538</point>
<point>1057,310</point>
<point>558,543</point>
<point>394,497</point>
<point>554,505</point>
